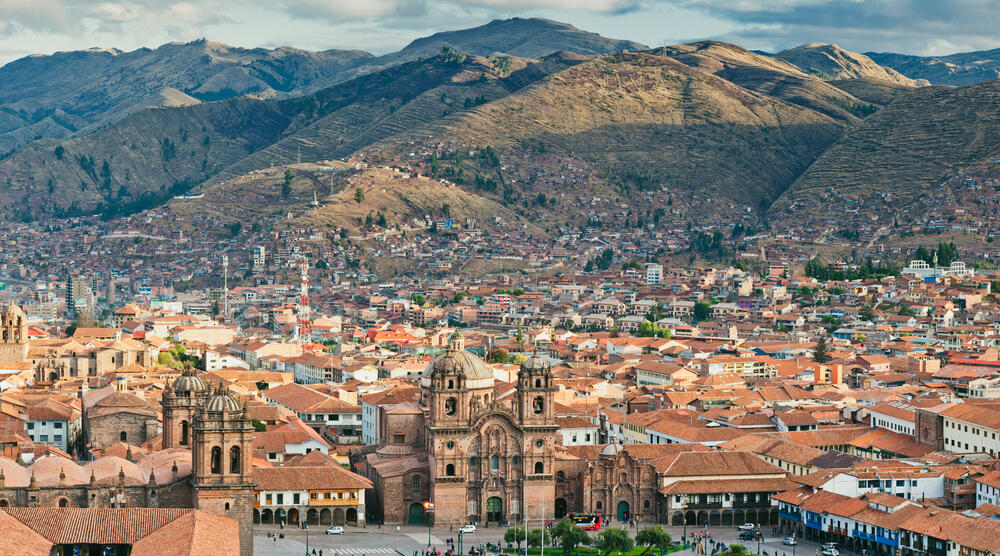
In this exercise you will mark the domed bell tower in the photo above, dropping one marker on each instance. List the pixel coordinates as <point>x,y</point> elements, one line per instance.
<point>221,466</point>
<point>535,391</point>
<point>182,401</point>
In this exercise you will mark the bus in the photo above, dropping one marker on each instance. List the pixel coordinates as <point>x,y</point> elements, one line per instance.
<point>586,521</point>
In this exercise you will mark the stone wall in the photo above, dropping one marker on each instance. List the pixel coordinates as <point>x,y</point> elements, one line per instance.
<point>108,428</point>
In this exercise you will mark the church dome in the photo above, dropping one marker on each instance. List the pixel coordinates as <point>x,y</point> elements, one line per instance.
<point>457,361</point>
<point>536,362</point>
<point>12,311</point>
<point>611,450</point>
<point>222,401</point>
<point>190,383</point>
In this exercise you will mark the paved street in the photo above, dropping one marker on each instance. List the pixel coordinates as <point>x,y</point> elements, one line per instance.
<point>385,541</point>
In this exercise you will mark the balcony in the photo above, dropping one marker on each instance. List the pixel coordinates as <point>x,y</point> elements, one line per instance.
<point>789,516</point>
<point>704,505</point>
<point>814,523</point>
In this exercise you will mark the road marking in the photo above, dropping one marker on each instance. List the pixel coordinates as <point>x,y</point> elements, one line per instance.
<point>420,539</point>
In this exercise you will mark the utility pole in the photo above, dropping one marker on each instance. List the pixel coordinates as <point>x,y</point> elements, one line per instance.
<point>225,287</point>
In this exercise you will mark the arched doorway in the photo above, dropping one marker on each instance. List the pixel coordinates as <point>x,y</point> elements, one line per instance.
<point>325,517</point>
<point>293,516</point>
<point>714,518</point>
<point>280,516</point>
<point>494,509</point>
<point>622,511</point>
<point>560,508</point>
<point>689,518</point>
<point>702,518</point>
<point>53,376</point>
<point>267,517</point>
<point>739,518</point>
<point>338,517</point>
<point>677,519</point>
<point>312,517</point>
<point>352,516</point>
<point>416,515</point>
<point>256,517</point>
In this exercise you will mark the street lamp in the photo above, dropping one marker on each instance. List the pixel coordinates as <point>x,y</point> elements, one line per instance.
<point>684,519</point>
<point>460,541</point>
<point>429,510</point>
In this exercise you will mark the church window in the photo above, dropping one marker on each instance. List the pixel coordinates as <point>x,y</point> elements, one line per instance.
<point>235,463</point>
<point>63,503</point>
<point>515,460</point>
<point>4,503</point>
<point>560,476</point>
<point>599,505</point>
<point>538,405</point>
<point>494,462</point>
<point>645,504</point>
<point>449,470</point>
<point>415,481</point>
<point>450,445</point>
<point>216,463</point>
<point>473,462</point>
<point>539,443</point>
<point>538,383</point>
<point>451,384</point>
<point>184,433</point>
<point>227,506</point>
<point>539,468</point>
<point>450,406</point>
<point>123,436</point>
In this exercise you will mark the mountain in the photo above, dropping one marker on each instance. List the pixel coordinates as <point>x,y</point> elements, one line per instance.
<point>903,151</point>
<point>73,92</point>
<point>831,62</point>
<point>523,38</point>
<point>145,157</point>
<point>964,68</point>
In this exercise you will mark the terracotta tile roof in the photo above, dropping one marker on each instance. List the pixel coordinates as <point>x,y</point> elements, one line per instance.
<point>18,538</point>
<point>688,464</point>
<point>308,477</point>
<point>713,486</point>
<point>96,525</point>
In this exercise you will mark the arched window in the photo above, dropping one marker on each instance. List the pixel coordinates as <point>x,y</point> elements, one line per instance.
<point>184,433</point>
<point>451,384</point>
<point>235,464</point>
<point>227,506</point>
<point>449,470</point>
<point>515,460</point>
<point>415,481</point>
<point>494,462</point>
<point>123,436</point>
<point>645,504</point>
<point>63,503</point>
<point>216,463</point>
<point>539,468</point>
<point>4,503</point>
<point>560,476</point>
<point>599,505</point>
<point>473,462</point>
<point>450,406</point>
<point>538,383</point>
<point>538,405</point>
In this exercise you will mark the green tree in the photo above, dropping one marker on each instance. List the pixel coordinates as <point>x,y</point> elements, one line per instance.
<point>258,425</point>
<point>867,312</point>
<point>701,311</point>
<point>418,299</point>
<point>535,537</point>
<point>514,535</point>
<point>569,536</point>
<point>614,540</point>
<point>446,210</point>
<point>653,536</point>
<point>821,353</point>
<point>497,355</point>
<point>616,332</point>
<point>646,329</point>
<point>359,195</point>
<point>632,263</point>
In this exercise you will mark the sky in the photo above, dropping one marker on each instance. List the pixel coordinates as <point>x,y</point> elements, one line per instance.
<point>925,27</point>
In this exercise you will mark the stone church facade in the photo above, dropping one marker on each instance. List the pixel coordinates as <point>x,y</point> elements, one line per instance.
<point>479,459</point>
<point>13,335</point>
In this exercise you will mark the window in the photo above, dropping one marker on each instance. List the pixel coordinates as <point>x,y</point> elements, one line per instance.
<point>31,426</point>
<point>295,498</point>
<point>57,424</point>
<point>450,445</point>
<point>494,462</point>
<point>538,405</point>
<point>645,504</point>
<point>57,438</point>
<point>328,496</point>
<point>599,505</point>
<point>450,406</point>
<point>281,498</point>
<point>560,476</point>
<point>451,384</point>
<point>43,438</point>
<point>473,462</point>
<point>227,506</point>
<point>312,495</point>
<point>123,436</point>
<point>415,481</point>
<point>216,460</point>
<point>539,468</point>
<point>267,498</point>
<point>63,503</point>
<point>235,462</point>
<point>449,470</point>
<point>514,461</point>
<point>334,417</point>
<point>184,433</point>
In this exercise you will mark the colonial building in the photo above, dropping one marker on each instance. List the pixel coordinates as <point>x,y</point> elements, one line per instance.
<point>13,335</point>
<point>473,457</point>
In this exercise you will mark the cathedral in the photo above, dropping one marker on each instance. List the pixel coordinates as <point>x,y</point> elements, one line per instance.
<point>205,462</point>
<point>474,457</point>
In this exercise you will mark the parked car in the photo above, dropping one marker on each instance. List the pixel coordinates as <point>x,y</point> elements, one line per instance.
<point>750,535</point>
<point>470,528</point>
<point>335,530</point>
<point>829,546</point>
<point>830,552</point>
<point>747,527</point>
<point>790,541</point>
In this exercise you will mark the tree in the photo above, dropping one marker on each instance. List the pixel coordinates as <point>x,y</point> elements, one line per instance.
<point>569,536</point>
<point>867,312</point>
<point>646,329</point>
<point>497,355</point>
<point>653,536</point>
<point>632,263</point>
<point>616,332</point>
<point>359,195</point>
<point>417,299</point>
<point>535,537</point>
<point>258,425</point>
<point>616,540</point>
<point>701,311</point>
<point>514,535</point>
<point>821,353</point>
<point>446,210</point>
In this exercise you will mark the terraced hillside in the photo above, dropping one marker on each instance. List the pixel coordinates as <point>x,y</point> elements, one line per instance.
<point>145,157</point>
<point>907,148</point>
